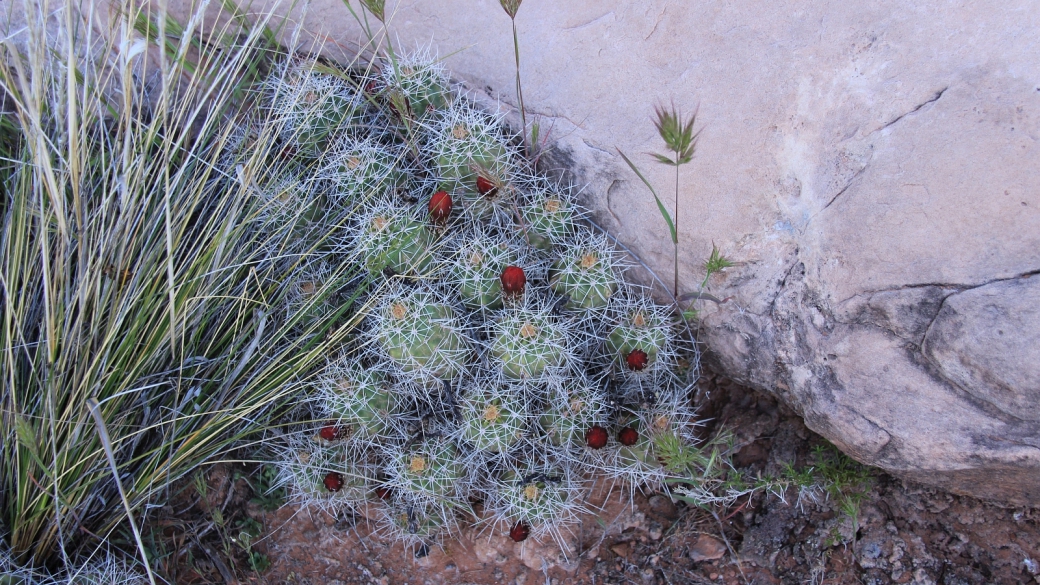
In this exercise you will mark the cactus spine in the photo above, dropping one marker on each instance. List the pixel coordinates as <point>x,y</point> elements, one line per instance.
<point>501,350</point>
<point>422,335</point>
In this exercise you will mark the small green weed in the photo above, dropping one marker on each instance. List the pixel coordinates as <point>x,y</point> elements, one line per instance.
<point>842,481</point>
<point>267,492</point>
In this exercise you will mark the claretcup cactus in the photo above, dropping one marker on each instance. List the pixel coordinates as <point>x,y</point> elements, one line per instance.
<point>322,473</point>
<point>420,80</point>
<point>641,337</point>
<point>494,415</point>
<point>428,471</point>
<point>311,107</point>
<point>586,272</point>
<point>474,163</point>
<point>536,495</point>
<point>415,523</point>
<point>362,403</point>
<point>501,350</point>
<point>529,341</point>
<point>572,410</point>
<point>313,295</point>
<point>478,262</point>
<point>360,171</point>
<point>549,216</point>
<point>421,334</point>
<point>390,236</point>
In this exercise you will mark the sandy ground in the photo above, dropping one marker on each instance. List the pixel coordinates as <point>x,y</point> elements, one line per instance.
<point>903,533</point>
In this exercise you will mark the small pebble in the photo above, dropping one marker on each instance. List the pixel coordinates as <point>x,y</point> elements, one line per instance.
<point>713,576</point>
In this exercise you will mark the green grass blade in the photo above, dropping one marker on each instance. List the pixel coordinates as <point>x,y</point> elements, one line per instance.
<point>664,211</point>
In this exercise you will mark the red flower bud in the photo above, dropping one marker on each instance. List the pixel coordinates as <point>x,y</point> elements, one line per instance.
<point>628,436</point>
<point>486,187</point>
<point>519,532</point>
<point>333,481</point>
<point>637,360</point>
<point>440,207</point>
<point>329,433</point>
<point>513,280</point>
<point>596,438</point>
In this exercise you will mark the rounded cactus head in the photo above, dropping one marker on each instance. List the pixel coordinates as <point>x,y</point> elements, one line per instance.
<point>311,108</point>
<point>321,473</point>
<point>575,415</point>
<point>549,216</point>
<point>419,80</point>
<point>357,171</point>
<point>361,401</point>
<point>586,273</point>
<point>389,236</point>
<point>312,299</point>
<point>536,495</point>
<point>414,522</point>
<point>669,411</point>
<point>529,341</point>
<point>479,260</point>
<point>641,337</point>
<point>494,415</point>
<point>430,470</point>
<point>474,162</point>
<point>421,334</point>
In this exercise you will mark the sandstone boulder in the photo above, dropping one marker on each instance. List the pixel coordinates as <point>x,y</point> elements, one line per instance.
<point>871,166</point>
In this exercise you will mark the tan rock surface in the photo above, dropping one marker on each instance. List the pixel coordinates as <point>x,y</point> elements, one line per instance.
<point>871,166</point>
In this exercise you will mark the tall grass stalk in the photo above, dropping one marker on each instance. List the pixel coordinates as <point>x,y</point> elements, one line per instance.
<point>136,270</point>
<point>511,7</point>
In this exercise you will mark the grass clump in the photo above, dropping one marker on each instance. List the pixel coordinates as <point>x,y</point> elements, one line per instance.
<point>141,270</point>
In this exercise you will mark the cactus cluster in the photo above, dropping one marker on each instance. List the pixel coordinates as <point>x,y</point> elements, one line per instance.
<point>501,356</point>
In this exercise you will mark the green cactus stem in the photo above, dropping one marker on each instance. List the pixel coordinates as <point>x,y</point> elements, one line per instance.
<point>477,267</point>
<point>642,332</point>
<point>548,218</point>
<point>493,417</point>
<point>394,238</point>
<point>528,342</point>
<point>428,471</point>
<point>585,274</point>
<point>421,80</point>
<point>312,108</point>
<point>422,335</point>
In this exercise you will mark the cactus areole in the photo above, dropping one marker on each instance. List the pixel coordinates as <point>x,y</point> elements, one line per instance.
<point>440,207</point>
<point>519,532</point>
<point>513,280</point>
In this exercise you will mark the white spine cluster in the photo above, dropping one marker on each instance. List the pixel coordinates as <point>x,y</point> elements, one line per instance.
<point>492,360</point>
<point>309,107</point>
<point>540,493</point>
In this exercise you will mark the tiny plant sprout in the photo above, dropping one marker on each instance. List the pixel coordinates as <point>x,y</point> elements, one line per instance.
<point>628,436</point>
<point>513,280</point>
<point>637,360</point>
<point>596,438</point>
<point>440,207</point>
<point>519,532</point>
<point>329,432</point>
<point>333,481</point>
